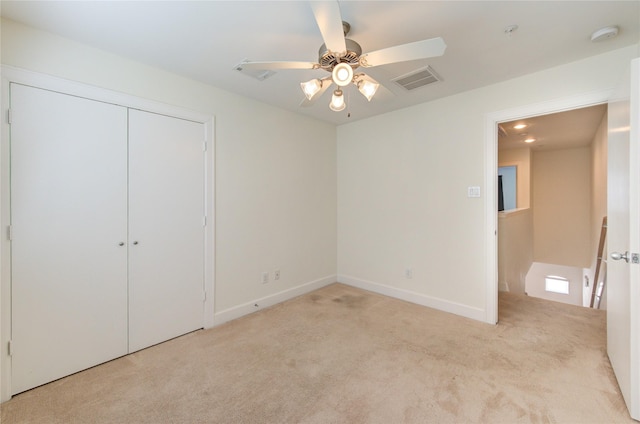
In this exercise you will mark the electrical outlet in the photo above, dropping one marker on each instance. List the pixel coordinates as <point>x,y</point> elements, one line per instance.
<point>265,277</point>
<point>408,273</point>
<point>276,274</point>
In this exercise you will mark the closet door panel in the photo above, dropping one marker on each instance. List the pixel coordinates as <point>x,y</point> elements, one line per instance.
<point>68,218</point>
<point>166,192</point>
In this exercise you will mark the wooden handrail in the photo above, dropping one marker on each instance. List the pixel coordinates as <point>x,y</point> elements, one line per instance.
<point>594,289</point>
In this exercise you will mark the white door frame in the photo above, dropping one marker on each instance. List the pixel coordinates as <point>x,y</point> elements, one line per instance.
<point>491,177</point>
<point>634,230</point>
<point>16,75</point>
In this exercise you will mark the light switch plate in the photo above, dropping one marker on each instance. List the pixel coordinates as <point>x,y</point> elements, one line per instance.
<point>473,191</point>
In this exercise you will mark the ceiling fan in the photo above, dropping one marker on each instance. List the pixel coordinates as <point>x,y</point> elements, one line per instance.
<point>341,57</point>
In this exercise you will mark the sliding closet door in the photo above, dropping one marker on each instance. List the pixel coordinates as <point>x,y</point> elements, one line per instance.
<point>69,228</point>
<point>166,233</point>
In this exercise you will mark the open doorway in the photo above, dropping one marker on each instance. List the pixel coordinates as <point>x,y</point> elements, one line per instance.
<point>547,240</point>
<point>492,120</point>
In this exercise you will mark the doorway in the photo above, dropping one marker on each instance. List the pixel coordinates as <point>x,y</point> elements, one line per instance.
<point>562,185</point>
<point>491,177</point>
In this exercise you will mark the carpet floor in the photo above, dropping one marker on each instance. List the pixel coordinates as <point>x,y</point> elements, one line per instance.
<point>344,355</point>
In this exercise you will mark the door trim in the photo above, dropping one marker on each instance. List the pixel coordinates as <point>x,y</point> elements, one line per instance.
<point>10,75</point>
<point>491,177</point>
<point>634,230</point>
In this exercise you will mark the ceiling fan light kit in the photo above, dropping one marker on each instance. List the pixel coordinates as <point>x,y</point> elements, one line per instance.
<point>341,56</point>
<point>337,101</point>
<point>311,88</point>
<point>367,88</point>
<point>342,74</point>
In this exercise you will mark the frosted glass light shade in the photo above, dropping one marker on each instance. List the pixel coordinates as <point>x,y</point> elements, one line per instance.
<point>337,101</point>
<point>368,88</point>
<point>311,88</point>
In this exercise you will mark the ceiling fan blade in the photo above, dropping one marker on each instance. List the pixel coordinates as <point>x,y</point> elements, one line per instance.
<point>329,21</point>
<point>404,52</point>
<point>267,66</point>
<point>326,83</point>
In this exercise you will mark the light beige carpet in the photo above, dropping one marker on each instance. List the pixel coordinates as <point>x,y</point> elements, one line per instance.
<point>343,355</point>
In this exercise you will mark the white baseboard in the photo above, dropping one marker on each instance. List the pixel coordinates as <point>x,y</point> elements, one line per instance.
<point>418,298</point>
<point>258,304</point>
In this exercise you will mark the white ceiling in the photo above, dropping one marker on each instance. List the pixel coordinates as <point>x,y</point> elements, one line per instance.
<point>564,130</point>
<point>203,40</point>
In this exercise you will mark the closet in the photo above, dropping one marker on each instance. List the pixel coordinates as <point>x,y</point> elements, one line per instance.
<point>107,232</point>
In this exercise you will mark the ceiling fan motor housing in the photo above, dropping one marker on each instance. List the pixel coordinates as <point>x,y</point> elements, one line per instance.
<point>328,59</point>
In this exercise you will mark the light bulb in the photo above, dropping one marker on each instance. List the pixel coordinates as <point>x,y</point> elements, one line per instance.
<point>337,101</point>
<point>342,74</point>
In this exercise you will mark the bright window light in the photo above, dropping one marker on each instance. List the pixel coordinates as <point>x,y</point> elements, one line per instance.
<point>556,284</point>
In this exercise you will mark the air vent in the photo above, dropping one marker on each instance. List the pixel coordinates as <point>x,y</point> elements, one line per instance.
<point>417,79</point>
<point>259,74</point>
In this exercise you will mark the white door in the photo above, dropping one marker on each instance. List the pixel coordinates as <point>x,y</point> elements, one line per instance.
<point>623,238</point>
<point>166,228</point>
<point>68,220</point>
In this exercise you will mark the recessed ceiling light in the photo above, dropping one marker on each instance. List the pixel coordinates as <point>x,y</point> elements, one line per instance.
<point>604,33</point>
<point>520,126</point>
<point>530,140</point>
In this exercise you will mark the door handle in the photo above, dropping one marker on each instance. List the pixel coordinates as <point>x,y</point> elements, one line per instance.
<point>617,256</point>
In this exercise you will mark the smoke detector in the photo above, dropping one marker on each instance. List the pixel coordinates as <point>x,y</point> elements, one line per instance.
<point>604,33</point>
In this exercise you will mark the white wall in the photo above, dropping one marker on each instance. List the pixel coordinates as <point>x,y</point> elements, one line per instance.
<point>598,201</point>
<point>402,187</point>
<point>562,206</point>
<point>515,249</point>
<point>275,176</point>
